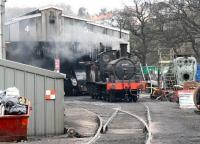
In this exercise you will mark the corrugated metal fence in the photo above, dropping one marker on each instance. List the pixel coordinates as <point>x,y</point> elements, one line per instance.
<point>47,116</point>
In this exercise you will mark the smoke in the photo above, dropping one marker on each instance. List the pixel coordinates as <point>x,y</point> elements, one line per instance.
<point>70,42</point>
<point>85,41</point>
<point>26,52</point>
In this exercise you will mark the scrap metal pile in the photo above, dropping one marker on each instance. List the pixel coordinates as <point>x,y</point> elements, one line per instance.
<point>11,103</point>
<point>184,70</point>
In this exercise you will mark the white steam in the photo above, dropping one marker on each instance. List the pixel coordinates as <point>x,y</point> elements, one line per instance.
<point>70,41</point>
<point>88,41</point>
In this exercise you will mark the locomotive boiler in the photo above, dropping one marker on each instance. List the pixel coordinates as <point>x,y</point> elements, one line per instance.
<point>185,69</point>
<point>113,76</point>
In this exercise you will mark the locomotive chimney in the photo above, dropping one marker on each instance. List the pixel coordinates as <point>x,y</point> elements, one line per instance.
<point>102,47</point>
<point>123,50</point>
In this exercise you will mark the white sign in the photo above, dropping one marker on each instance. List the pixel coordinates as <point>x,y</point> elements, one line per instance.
<point>186,99</point>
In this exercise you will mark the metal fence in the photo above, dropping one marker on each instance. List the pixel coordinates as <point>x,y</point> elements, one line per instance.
<point>47,116</point>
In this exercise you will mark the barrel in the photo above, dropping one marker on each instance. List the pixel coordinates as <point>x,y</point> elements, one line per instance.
<point>197,97</point>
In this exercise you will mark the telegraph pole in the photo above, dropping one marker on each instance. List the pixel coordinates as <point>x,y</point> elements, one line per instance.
<point>2,40</point>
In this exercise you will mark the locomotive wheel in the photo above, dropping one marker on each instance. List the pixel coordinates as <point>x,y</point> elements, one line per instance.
<point>130,99</point>
<point>135,98</point>
<point>97,96</point>
<point>197,98</point>
<point>107,98</point>
<point>112,97</point>
<point>127,100</point>
<point>100,97</point>
<point>104,97</point>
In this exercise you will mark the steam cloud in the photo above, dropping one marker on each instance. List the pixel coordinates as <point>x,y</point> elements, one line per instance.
<point>87,41</point>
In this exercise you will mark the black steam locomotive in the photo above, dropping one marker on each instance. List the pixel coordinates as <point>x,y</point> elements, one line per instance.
<point>113,76</point>
<point>43,54</point>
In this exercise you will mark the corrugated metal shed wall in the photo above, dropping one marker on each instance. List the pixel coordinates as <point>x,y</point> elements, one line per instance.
<point>47,116</point>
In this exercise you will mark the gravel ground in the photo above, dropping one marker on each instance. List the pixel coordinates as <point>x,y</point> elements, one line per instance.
<point>103,109</point>
<point>169,125</point>
<point>124,128</point>
<point>83,121</point>
<point>172,125</point>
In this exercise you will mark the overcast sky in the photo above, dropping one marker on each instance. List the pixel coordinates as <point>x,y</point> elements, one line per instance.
<point>93,6</point>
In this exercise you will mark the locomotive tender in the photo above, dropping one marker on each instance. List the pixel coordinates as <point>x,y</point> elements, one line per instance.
<point>113,76</point>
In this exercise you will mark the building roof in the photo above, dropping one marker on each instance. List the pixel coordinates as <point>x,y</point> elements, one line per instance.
<point>74,17</point>
<point>50,7</point>
<point>108,27</point>
<point>14,20</point>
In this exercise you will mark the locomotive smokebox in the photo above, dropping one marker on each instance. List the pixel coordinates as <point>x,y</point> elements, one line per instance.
<point>123,49</point>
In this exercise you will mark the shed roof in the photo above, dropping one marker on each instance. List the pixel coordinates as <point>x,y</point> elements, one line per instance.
<point>37,13</point>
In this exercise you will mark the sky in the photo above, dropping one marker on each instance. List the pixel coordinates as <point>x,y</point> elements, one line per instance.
<point>93,6</point>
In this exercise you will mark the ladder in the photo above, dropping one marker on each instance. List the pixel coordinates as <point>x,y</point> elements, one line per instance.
<point>166,57</point>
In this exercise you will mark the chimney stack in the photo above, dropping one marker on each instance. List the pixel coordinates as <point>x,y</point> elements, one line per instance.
<point>123,49</point>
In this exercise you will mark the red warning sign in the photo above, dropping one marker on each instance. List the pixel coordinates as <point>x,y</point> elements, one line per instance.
<point>50,95</point>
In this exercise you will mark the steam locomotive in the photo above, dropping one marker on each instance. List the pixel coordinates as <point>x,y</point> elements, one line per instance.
<point>113,76</point>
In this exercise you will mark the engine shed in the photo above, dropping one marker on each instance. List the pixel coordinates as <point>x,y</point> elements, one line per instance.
<point>49,39</point>
<point>50,24</point>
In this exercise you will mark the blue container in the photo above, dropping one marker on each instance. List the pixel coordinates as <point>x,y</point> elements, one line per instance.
<point>198,78</point>
<point>198,67</point>
<point>198,73</point>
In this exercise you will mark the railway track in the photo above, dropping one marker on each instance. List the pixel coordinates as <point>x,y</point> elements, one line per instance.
<point>119,122</point>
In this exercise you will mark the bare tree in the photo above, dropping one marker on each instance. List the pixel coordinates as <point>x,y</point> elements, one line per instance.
<point>187,12</point>
<point>82,12</point>
<point>169,29</point>
<point>103,11</point>
<point>168,24</point>
<point>137,19</point>
<point>66,9</point>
